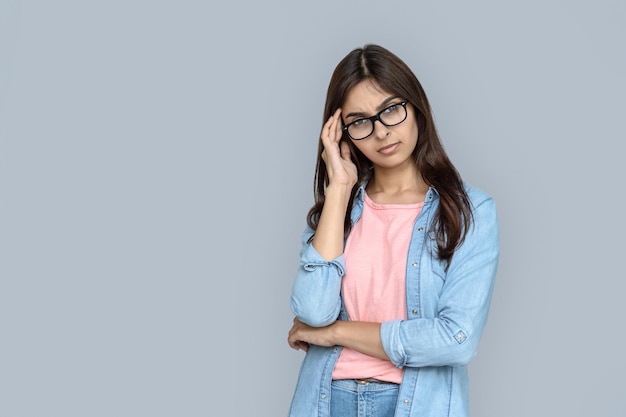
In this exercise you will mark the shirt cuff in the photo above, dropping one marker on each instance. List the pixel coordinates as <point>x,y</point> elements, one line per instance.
<point>390,337</point>
<point>312,259</point>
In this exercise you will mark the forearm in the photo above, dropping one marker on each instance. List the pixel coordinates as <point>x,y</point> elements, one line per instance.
<point>329,235</point>
<point>361,336</point>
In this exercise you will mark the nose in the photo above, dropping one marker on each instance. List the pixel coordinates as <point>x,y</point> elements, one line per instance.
<point>380,130</point>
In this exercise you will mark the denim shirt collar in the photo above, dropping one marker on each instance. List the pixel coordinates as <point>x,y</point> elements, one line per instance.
<point>431,194</point>
<point>357,208</point>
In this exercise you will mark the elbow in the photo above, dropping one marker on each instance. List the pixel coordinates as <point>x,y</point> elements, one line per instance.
<point>461,356</point>
<point>461,347</point>
<point>461,353</point>
<point>317,321</point>
<point>314,315</point>
<point>451,356</point>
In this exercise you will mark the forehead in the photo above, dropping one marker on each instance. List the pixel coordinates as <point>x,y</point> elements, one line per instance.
<point>365,96</point>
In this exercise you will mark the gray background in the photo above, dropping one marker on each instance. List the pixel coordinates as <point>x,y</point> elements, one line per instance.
<point>156,163</point>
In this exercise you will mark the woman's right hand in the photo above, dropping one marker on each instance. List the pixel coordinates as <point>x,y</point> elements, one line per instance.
<point>328,239</point>
<point>336,154</point>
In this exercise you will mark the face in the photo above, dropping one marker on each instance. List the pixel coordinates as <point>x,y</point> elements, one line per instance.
<point>387,146</point>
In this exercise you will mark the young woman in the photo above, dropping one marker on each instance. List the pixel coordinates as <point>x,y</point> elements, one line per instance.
<point>398,259</point>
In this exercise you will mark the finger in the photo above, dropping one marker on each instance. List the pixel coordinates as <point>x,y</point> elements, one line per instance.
<point>293,342</point>
<point>296,344</point>
<point>345,150</point>
<point>293,345</point>
<point>327,126</point>
<point>330,132</point>
<point>300,346</point>
<point>334,127</point>
<point>338,124</point>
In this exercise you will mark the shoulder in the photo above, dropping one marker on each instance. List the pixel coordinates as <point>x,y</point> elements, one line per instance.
<point>477,196</point>
<point>484,215</point>
<point>483,206</point>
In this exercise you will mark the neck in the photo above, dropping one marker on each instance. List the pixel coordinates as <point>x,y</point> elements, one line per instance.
<point>397,186</point>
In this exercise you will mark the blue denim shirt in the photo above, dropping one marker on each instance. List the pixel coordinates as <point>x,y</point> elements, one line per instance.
<point>447,311</point>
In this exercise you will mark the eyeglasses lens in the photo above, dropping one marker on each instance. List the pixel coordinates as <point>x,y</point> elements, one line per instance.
<point>390,116</point>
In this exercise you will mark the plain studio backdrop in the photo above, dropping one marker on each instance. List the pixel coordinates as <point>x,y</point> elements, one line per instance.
<point>156,167</point>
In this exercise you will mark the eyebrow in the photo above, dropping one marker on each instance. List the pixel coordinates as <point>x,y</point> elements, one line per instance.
<point>381,106</point>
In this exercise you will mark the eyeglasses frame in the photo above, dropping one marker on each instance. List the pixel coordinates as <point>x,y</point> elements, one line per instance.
<point>376,117</point>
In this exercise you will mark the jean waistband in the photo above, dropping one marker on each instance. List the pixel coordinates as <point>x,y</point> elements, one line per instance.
<point>367,384</point>
<point>366,381</point>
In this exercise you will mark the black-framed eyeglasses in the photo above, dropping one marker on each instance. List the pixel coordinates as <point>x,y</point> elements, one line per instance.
<point>389,116</point>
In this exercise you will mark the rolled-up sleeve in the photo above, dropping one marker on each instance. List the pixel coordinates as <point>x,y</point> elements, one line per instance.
<point>315,296</point>
<point>451,337</point>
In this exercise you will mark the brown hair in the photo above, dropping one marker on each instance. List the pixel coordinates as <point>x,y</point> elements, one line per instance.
<point>375,63</point>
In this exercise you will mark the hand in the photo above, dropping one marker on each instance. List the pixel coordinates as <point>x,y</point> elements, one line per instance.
<point>336,154</point>
<point>301,335</point>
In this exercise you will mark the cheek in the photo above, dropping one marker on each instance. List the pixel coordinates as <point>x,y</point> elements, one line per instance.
<point>356,145</point>
<point>414,133</point>
<point>363,148</point>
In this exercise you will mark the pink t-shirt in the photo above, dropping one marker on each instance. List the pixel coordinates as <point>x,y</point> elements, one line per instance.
<point>373,286</point>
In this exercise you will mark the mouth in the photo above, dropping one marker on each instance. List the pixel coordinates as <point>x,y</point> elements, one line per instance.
<point>389,148</point>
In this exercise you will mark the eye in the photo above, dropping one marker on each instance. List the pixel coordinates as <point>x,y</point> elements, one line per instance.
<point>359,122</point>
<point>392,109</point>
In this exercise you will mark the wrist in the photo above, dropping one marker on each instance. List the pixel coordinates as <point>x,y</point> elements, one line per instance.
<point>336,331</point>
<point>340,191</point>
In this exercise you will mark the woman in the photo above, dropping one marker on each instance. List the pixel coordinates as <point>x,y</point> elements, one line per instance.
<point>398,259</point>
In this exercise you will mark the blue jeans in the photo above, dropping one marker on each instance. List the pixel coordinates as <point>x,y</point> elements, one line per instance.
<point>349,398</point>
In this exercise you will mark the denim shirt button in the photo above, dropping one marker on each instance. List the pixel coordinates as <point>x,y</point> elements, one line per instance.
<point>414,311</point>
<point>413,263</point>
<point>323,396</point>
<point>406,401</point>
<point>419,229</point>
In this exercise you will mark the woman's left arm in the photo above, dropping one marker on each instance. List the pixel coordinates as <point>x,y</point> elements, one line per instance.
<point>452,336</point>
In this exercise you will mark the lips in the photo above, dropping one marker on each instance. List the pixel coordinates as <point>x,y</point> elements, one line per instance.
<point>388,149</point>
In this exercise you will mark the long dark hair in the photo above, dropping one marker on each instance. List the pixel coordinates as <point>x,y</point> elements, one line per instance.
<point>375,63</point>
